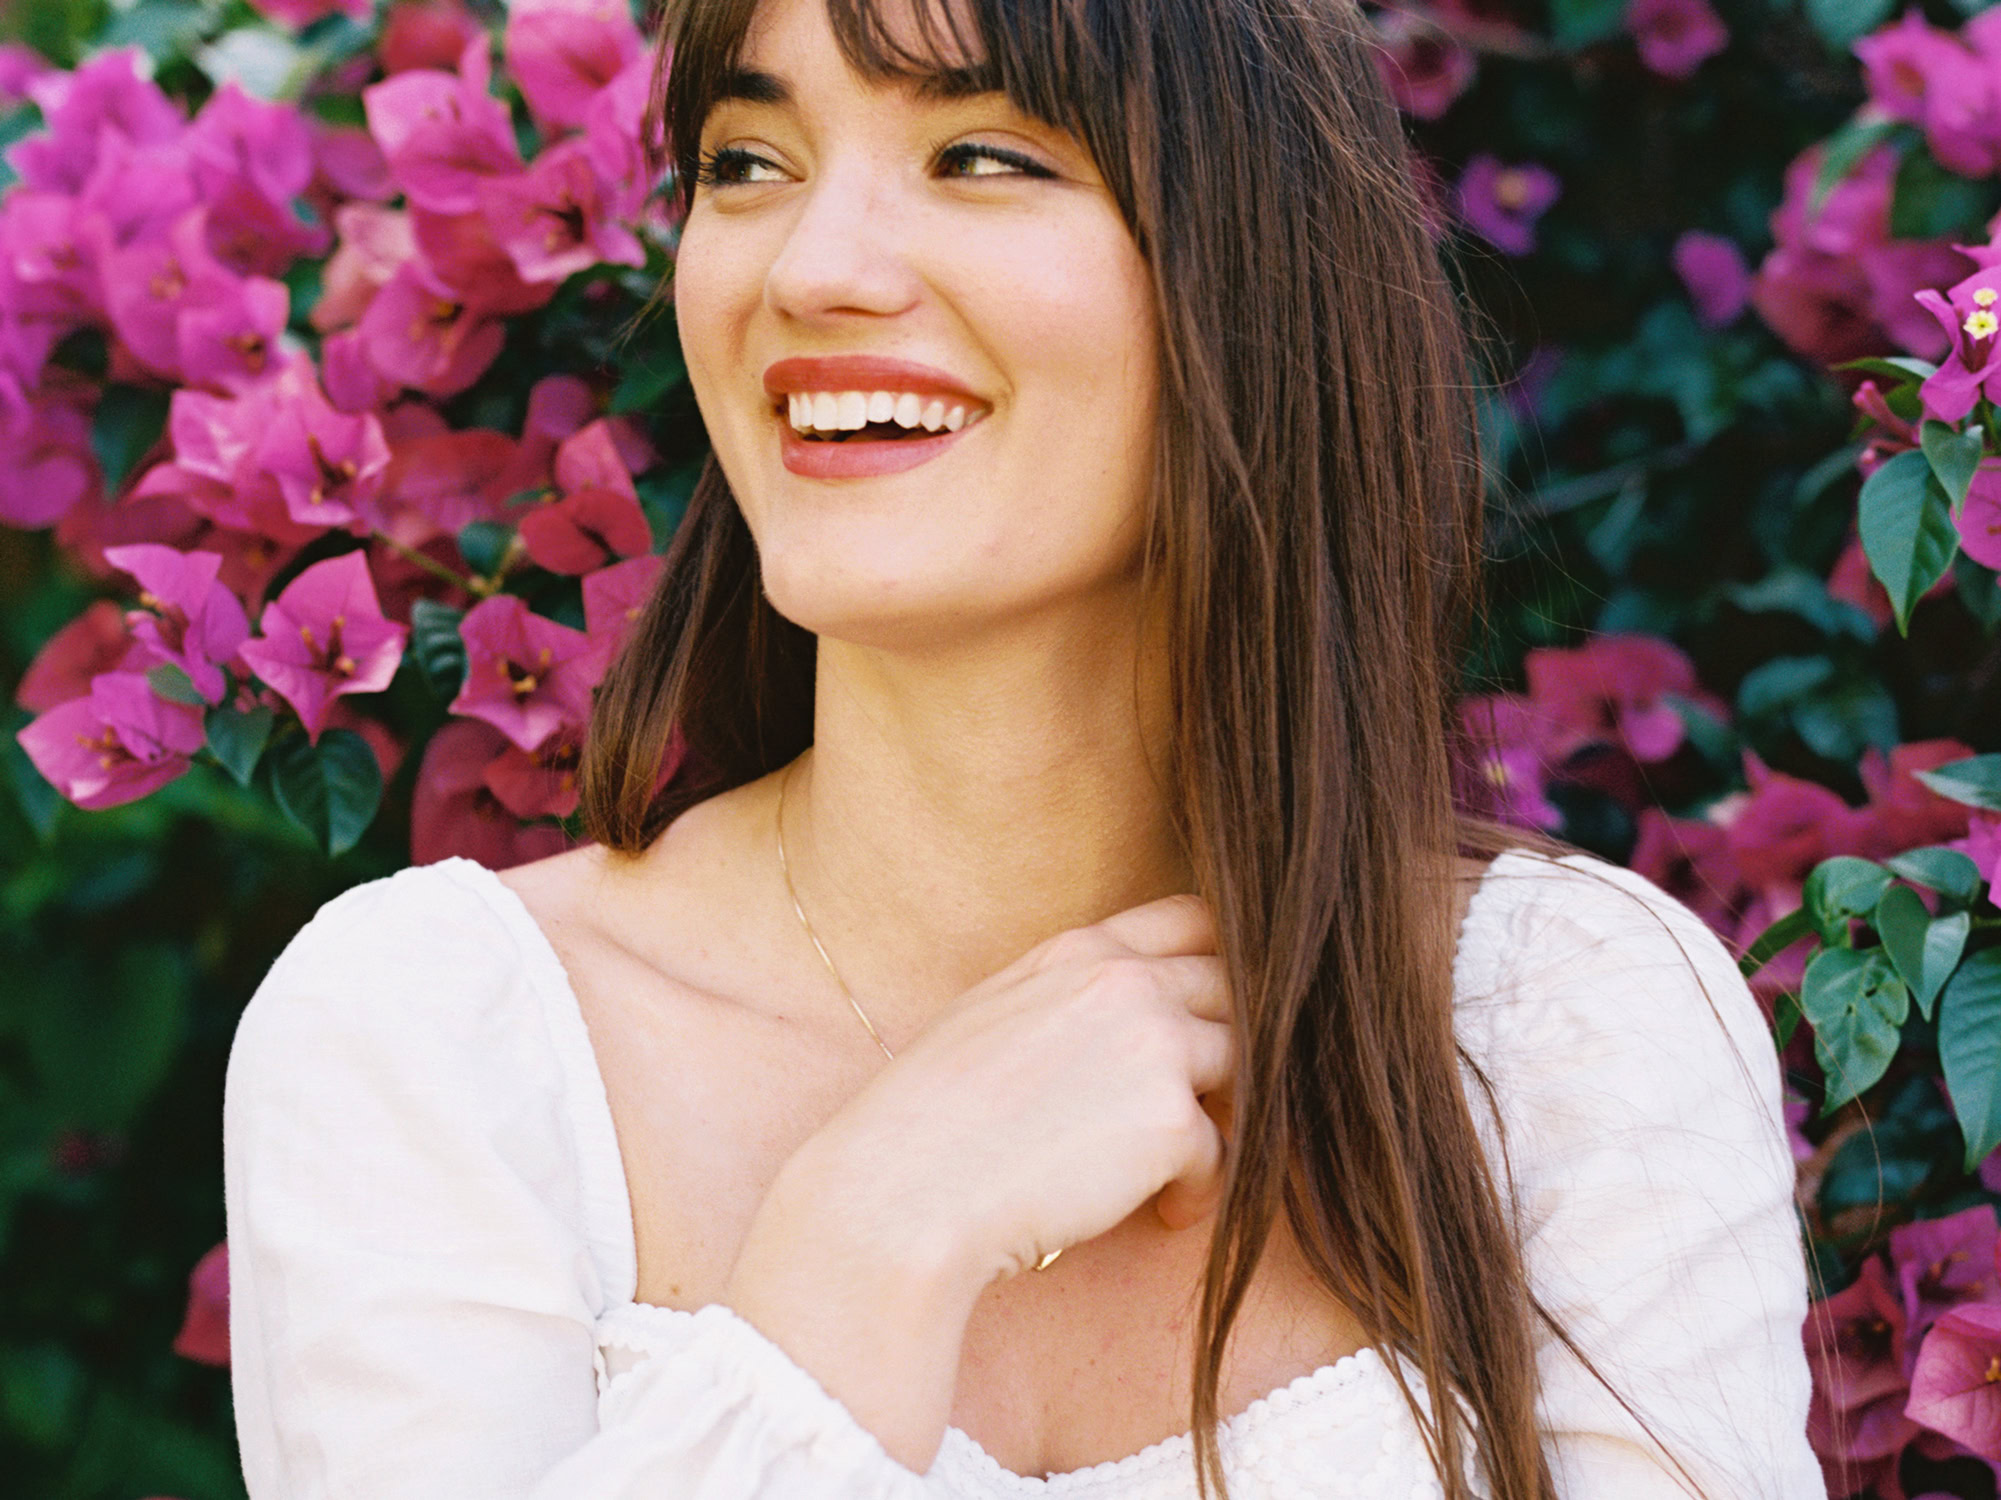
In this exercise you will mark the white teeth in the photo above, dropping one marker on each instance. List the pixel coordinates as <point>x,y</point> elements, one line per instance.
<point>850,411</point>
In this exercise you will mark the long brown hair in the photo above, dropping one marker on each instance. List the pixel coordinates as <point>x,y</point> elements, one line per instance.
<point>1315,524</point>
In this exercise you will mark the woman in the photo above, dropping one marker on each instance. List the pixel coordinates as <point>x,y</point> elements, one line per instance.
<point>1048,1034</point>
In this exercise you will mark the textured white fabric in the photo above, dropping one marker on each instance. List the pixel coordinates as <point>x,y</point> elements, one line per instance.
<point>432,1261</point>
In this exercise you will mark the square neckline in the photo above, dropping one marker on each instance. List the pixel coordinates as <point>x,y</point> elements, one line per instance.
<point>614,1225</point>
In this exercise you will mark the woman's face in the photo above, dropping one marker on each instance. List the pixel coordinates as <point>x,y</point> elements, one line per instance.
<point>862,254</point>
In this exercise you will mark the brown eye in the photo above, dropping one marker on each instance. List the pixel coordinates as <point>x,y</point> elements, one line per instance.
<point>988,161</point>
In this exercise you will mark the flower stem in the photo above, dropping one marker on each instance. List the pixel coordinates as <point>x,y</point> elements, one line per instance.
<point>479,588</point>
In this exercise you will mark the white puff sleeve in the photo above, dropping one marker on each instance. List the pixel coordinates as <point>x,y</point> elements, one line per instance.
<point>1652,1183</point>
<point>425,1230</point>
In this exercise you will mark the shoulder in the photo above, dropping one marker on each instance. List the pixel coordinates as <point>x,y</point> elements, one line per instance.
<point>1585,993</point>
<point>434,974</point>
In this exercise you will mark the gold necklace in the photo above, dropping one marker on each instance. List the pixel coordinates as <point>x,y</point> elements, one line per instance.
<point>786,870</point>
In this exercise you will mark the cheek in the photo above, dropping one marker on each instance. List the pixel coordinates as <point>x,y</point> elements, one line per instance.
<point>710,288</point>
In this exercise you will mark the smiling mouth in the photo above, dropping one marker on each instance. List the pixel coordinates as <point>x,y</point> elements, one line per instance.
<point>872,416</point>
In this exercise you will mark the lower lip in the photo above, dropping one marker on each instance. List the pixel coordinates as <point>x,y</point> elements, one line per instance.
<point>818,459</point>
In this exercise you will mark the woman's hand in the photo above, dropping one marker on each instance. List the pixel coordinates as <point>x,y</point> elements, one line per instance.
<point>1052,1099</point>
<point>1043,1107</point>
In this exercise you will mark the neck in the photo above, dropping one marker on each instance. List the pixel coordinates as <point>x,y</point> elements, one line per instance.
<point>957,809</point>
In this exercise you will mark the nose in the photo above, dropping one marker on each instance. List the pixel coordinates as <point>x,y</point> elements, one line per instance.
<point>847,252</point>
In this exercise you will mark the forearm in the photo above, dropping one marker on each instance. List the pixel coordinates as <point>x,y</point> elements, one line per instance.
<point>872,1308</point>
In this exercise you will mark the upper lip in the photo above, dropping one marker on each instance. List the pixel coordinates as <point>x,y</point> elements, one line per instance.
<point>861,372</point>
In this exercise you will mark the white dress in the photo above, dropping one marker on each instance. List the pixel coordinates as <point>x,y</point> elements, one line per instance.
<point>433,1267</point>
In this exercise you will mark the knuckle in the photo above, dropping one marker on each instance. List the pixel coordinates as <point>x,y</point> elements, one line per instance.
<point>1122,980</point>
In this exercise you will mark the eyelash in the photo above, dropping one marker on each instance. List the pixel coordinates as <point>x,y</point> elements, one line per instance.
<point>710,165</point>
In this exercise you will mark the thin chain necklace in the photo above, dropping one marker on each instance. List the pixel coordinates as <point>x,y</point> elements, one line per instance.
<point>786,870</point>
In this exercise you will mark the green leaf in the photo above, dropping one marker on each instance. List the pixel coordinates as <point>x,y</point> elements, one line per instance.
<point>1925,950</point>
<point>103,1042</point>
<point>1976,588</point>
<point>331,790</point>
<point>1899,368</point>
<point>1953,455</point>
<point>1928,201</point>
<point>40,803</point>
<point>1907,532</point>
<point>1840,22</point>
<point>1947,871</point>
<point>1775,939</point>
<point>483,544</point>
<point>170,681</point>
<point>1976,781</point>
<point>1841,151</point>
<point>1774,685</point>
<point>439,649</point>
<point>238,739</point>
<point>1786,1018</point>
<point>648,379</point>
<point>1857,1003</point>
<point>128,423</point>
<point>1579,23</point>
<point>1839,890</point>
<point>1969,1044</point>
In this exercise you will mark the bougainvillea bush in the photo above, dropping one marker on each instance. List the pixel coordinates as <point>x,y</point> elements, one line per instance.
<point>340,436</point>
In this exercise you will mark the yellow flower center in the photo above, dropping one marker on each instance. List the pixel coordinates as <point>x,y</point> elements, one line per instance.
<point>1982,324</point>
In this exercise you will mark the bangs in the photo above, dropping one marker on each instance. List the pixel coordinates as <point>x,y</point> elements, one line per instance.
<point>1042,55</point>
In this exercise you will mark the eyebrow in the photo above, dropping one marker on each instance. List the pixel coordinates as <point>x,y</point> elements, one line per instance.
<point>755,86</point>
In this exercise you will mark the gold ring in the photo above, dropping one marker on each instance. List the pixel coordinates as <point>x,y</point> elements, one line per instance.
<point>1048,1260</point>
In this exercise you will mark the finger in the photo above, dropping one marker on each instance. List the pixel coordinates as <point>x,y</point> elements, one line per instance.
<point>1212,1056</point>
<point>1169,927</point>
<point>1192,1197</point>
<point>1199,982</point>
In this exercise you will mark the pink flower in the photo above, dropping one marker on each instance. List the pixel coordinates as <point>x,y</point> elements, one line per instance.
<point>204,1335</point>
<point>451,478</point>
<point>1713,270</point>
<point>1786,826</point>
<point>240,142</point>
<point>19,67</point>
<point>1613,690</point>
<point>1930,79</point>
<point>1979,519</point>
<point>115,745</point>
<point>1424,69</point>
<point>1675,36</point>
<point>452,810</point>
<point>187,618</point>
<point>1855,1344</point>
<point>614,597</point>
<point>559,217</point>
<point>1908,812</point>
<point>585,530</point>
<point>1507,779</point>
<point>441,133</point>
<point>1502,203</point>
<point>46,465</point>
<point>325,636</point>
<point>1956,1383</point>
<point>230,340</point>
<point>563,52</point>
<point>1690,859</point>
<point>526,675</point>
<point>299,14</point>
<point>465,258</point>
<point>97,640</point>
<point>1970,314</point>
<point>426,34</point>
<point>111,95</point>
<point>538,783</point>
<point>420,333</point>
<point>1942,1263</point>
<point>1798,1110</point>
<point>374,242</point>
<point>328,464</point>
<point>150,284</point>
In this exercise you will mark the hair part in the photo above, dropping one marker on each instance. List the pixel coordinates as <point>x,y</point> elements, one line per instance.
<point>1314,533</point>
